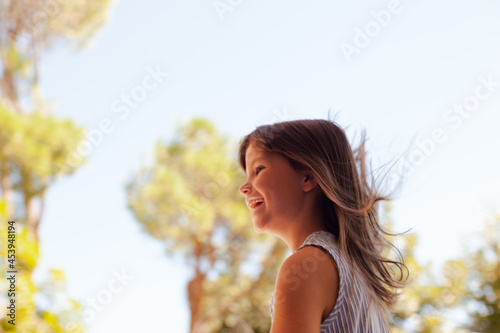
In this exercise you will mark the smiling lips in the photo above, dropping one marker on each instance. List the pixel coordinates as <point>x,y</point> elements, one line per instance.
<point>255,203</point>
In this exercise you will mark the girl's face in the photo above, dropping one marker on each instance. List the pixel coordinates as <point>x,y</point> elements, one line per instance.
<point>272,179</point>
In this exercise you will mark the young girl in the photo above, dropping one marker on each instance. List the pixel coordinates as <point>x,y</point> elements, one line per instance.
<point>306,186</point>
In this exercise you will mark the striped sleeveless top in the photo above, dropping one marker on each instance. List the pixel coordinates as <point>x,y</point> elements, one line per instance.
<point>351,312</point>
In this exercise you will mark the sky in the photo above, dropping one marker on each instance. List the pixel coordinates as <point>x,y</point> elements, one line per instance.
<point>422,78</point>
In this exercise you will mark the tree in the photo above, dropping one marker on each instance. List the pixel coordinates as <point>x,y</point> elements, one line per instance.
<point>27,27</point>
<point>422,304</point>
<point>36,147</point>
<point>484,279</point>
<point>189,199</point>
<point>61,314</point>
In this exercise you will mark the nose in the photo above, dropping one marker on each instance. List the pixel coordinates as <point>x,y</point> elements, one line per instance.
<point>244,188</point>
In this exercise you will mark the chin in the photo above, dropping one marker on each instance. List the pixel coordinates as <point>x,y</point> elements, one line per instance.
<point>259,228</point>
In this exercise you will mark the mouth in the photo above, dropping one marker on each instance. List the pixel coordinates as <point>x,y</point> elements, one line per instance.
<point>255,205</point>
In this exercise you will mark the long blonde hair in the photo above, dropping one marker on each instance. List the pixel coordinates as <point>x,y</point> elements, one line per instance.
<point>348,201</point>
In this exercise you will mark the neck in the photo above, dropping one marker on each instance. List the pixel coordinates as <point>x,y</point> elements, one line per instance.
<point>307,220</point>
<point>296,237</point>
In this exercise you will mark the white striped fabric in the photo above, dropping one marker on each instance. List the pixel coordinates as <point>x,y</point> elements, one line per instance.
<point>351,313</point>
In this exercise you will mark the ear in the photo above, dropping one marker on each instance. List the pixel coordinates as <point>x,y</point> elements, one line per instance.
<point>309,182</point>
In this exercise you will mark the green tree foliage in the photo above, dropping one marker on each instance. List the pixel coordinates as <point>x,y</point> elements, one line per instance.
<point>484,279</point>
<point>61,315</point>
<point>422,304</point>
<point>36,148</point>
<point>470,283</point>
<point>189,199</point>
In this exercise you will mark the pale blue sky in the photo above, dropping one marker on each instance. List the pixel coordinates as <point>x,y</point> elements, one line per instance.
<point>267,62</point>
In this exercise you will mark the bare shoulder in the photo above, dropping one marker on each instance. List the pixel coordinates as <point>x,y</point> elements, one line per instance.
<point>306,289</point>
<point>312,261</point>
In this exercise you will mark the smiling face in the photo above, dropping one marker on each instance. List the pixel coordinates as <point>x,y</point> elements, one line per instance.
<point>271,177</point>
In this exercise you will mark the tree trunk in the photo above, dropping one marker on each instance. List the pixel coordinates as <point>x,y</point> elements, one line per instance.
<point>34,214</point>
<point>31,196</point>
<point>195,295</point>
<point>7,85</point>
<point>276,251</point>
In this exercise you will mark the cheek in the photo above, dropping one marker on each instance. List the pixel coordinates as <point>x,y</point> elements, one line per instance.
<point>266,186</point>
<point>276,190</point>
<point>288,191</point>
<point>262,185</point>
